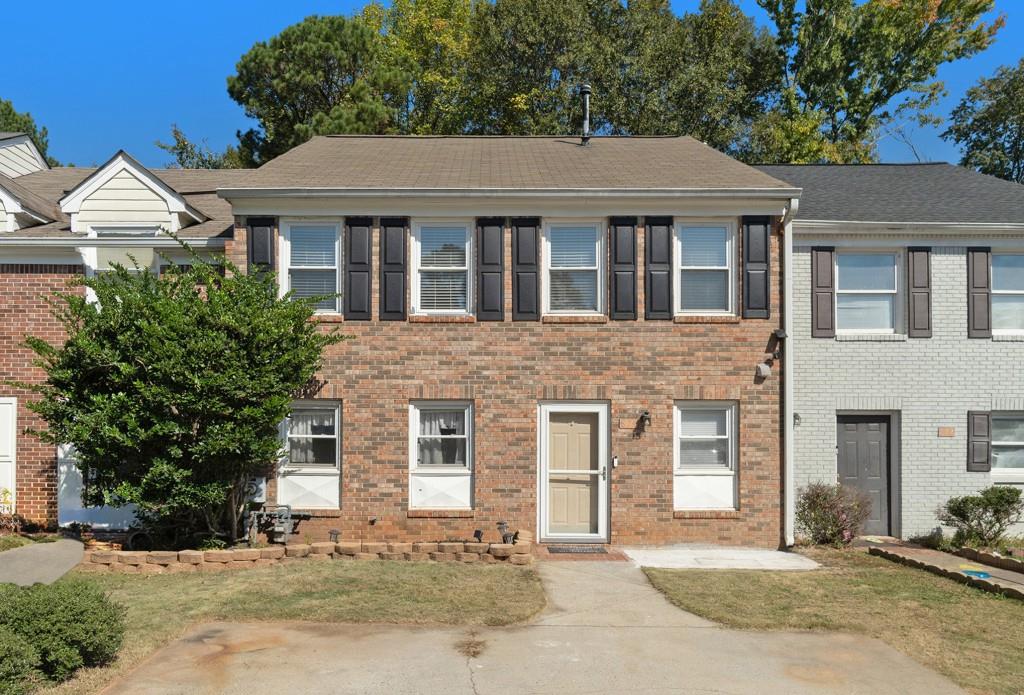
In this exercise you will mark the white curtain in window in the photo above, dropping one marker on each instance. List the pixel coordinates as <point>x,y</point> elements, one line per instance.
<point>312,438</point>
<point>442,438</point>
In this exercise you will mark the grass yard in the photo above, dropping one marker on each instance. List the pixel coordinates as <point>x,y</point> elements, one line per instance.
<point>162,607</point>
<point>973,637</point>
<point>12,541</point>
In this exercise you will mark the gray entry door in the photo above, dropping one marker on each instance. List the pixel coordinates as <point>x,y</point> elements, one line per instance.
<point>862,443</point>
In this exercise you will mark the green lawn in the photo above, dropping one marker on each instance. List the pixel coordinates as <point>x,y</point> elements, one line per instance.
<point>162,607</point>
<point>974,638</point>
<point>12,541</point>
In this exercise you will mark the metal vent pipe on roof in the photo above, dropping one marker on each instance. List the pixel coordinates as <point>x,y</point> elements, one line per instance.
<point>585,91</point>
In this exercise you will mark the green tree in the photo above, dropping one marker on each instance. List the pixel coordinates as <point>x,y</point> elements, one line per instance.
<point>708,74</point>
<point>12,121</point>
<point>191,155</point>
<point>322,75</point>
<point>172,388</point>
<point>988,124</point>
<point>856,66</point>
<point>432,39</point>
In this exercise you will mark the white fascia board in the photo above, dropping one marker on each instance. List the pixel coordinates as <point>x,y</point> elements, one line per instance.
<point>71,203</point>
<point>147,242</point>
<point>669,193</point>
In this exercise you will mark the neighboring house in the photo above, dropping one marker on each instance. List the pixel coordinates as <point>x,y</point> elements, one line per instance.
<point>19,155</point>
<point>74,221</point>
<point>907,335</point>
<point>576,340</point>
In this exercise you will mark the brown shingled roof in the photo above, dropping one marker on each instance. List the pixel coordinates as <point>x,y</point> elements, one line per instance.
<point>512,163</point>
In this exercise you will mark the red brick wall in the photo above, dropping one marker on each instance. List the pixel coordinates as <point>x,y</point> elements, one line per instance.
<point>506,369</point>
<point>23,312</point>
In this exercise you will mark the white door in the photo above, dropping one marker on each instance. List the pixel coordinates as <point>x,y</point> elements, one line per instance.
<point>574,472</point>
<point>8,445</point>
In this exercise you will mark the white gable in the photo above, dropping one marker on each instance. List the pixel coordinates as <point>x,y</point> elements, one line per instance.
<point>19,156</point>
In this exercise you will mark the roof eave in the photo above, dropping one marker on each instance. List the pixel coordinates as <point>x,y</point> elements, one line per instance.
<point>292,192</point>
<point>869,226</point>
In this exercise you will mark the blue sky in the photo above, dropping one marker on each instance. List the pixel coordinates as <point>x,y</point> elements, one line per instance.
<point>116,75</point>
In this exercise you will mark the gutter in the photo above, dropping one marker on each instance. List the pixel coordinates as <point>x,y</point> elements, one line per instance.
<point>307,192</point>
<point>788,476</point>
<point>148,242</point>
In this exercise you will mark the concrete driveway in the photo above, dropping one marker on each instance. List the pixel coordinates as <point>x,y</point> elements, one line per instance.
<point>605,631</point>
<point>39,562</point>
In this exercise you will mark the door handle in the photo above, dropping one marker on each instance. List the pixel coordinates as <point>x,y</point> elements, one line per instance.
<point>604,472</point>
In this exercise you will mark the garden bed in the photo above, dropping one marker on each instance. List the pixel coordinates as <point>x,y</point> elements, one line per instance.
<point>184,561</point>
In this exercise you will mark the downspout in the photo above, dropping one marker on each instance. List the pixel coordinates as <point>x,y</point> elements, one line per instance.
<point>788,477</point>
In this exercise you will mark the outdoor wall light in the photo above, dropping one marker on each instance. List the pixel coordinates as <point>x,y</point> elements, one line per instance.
<point>373,520</point>
<point>334,534</point>
<point>645,418</point>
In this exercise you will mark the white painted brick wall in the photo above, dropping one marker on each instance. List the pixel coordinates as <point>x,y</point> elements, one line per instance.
<point>931,382</point>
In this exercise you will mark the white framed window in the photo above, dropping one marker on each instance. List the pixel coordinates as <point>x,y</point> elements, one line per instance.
<point>574,259</point>
<point>313,436</point>
<point>1008,443</point>
<point>1007,293</point>
<point>705,277</point>
<point>442,281</point>
<point>311,258</point>
<point>441,436</point>
<point>867,291</point>
<point>705,434</point>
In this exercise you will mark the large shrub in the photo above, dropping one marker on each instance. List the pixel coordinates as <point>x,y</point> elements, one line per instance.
<point>19,664</point>
<point>69,624</point>
<point>831,514</point>
<point>982,519</point>
<point>172,388</point>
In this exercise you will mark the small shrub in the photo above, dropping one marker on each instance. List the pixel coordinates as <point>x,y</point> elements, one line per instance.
<point>831,514</point>
<point>69,624</point>
<point>19,664</point>
<point>982,520</point>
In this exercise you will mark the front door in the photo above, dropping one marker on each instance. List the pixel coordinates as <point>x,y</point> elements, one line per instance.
<point>8,440</point>
<point>574,485</point>
<point>862,443</point>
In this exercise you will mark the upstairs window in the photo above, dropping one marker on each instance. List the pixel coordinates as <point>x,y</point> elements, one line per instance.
<point>866,291</point>
<point>441,279</point>
<point>706,274</point>
<point>312,256</point>
<point>1008,293</point>
<point>574,256</point>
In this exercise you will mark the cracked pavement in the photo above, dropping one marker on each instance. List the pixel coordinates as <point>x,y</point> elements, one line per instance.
<point>605,630</point>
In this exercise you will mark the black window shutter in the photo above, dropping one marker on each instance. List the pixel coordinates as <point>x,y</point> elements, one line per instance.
<point>261,242</point>
<point>525,269</point>
<point>623,268</point>
<point>919,292</point>
<point>358,273</point>
<point>490,269</point>
<point>823,290</point>
<point>979,293</point>
<point>757,301</point>
<point>979,442</point>
<point>393,259</point>
<point>658,268</point>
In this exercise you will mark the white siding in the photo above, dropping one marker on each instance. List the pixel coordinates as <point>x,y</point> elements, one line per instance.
<point>929,382</point>
<point>124,199</point>
<point>3,217</point>
<point>17,158</point>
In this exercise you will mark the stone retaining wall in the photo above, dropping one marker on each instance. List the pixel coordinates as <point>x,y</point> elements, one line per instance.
<point>169,561</point>
<point>993,560</point>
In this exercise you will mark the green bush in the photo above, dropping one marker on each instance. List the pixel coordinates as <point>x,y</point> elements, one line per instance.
<point>831,514</point>
<point>982,520</point>
<point>69,624</point>
<point>19,664</point>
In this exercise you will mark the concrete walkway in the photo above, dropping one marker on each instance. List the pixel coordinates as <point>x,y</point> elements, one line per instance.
<point>606,630</point>
<point>717,557</point>
<point>39,562</point>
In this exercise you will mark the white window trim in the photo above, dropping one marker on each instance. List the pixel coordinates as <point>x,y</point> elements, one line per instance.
<point>678,267</point>
<point>1006,475</point>
<point>415,407</point>
<point>898,293</point>
<point>1009,293</point>
<point>601,227</point>
<point>312,404</point>
<point>284,277</point>
<point>414,280</point>
<point>732,437</point>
